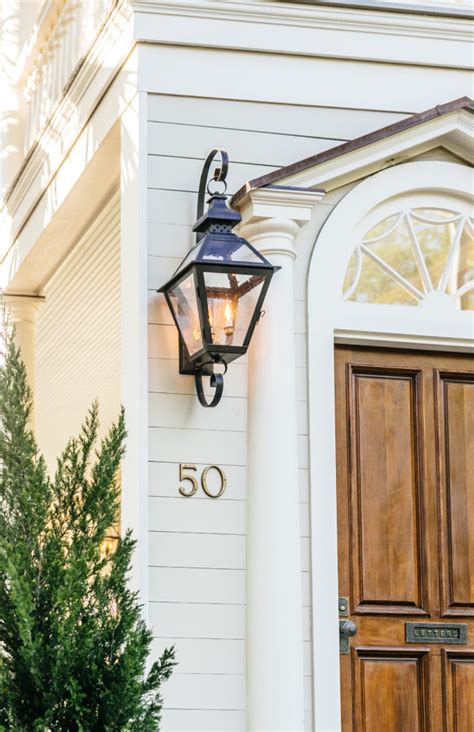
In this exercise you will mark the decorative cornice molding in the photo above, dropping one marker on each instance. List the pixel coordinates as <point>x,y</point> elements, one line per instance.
<point>315,16</point>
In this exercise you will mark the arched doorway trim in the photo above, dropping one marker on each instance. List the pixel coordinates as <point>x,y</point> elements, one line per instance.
<point>331,320</point>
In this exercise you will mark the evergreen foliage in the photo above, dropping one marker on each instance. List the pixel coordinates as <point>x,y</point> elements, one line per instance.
<point>73,646</point>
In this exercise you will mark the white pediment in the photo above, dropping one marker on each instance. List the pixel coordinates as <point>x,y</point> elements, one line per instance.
<point>454,132</point>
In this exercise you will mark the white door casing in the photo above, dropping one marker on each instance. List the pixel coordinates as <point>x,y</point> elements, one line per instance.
<point>430,325</point>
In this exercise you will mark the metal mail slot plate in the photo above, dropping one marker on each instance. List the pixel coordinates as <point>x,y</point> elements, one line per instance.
<point>436,633</point>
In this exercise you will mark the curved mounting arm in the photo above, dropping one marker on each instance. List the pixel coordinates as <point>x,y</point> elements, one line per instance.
<point>219,174</point>
<point>217,383</point>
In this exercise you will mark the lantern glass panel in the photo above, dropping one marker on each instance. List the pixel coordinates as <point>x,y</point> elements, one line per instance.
<point>183,301</point>
<point>231,301</point>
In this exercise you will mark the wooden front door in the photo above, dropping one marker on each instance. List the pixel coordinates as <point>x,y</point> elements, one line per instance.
<point>405,482</point>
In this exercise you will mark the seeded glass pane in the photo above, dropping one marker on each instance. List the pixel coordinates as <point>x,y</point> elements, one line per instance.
<point>184,303</point>
<point>231,299</point>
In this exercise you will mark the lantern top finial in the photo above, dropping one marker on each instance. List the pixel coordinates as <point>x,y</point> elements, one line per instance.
<point>218,213</point>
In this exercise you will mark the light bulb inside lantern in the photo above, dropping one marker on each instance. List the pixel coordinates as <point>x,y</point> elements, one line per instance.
<point>228,315</point>
<point>228,322</point>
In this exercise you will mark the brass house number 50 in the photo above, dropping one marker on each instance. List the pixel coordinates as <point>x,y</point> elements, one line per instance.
<point>187,491</point>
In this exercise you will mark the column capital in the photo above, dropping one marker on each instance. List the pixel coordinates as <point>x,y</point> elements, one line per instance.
<point>23,308</point>
<point>272,217</point>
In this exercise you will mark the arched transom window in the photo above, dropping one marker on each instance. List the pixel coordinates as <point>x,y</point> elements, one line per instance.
<point>412,257</point>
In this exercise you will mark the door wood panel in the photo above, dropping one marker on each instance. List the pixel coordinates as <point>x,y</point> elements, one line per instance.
<point>392,685</point>
<point>405,483</point>
<point>386,557</point>
<point>458,670</point>
<point>455,397</point>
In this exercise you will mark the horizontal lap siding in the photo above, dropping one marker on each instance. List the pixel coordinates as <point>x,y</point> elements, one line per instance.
<point>197,546</point>
<point>78,336</point>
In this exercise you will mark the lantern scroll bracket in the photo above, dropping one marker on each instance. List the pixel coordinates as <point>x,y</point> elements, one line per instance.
<point>219,175</point>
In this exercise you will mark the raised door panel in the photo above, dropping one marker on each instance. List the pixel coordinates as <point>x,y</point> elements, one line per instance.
<point>391,690</point>
<point>459,690</point>
<point>385,464</point>
<point>456,437</point>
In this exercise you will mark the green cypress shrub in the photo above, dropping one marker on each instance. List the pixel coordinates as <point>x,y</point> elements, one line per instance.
<point>73,644</point>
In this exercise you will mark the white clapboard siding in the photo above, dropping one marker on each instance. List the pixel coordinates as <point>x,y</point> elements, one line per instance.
<point>205,655</point>
<point>203,720</point>
<point>170,240</point>
<point>188,585</point>
<point>199,620</point>
<point>158,310</point>
<point>206,691</point>
<point>183,515</point>
<point>206,551</point>
<point>160,270</point>
<point>172,207</point>
<point>245,146</point>
<point>184,411</point>
<point>78,340</point>
<point>162,341</point>
<point>305,121</point>
<point>198,446</point>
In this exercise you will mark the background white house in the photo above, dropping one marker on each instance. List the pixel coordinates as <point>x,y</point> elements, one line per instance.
<point>350,133</point>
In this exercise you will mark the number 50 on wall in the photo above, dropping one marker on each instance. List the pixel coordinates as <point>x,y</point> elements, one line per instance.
<point>184,474</point>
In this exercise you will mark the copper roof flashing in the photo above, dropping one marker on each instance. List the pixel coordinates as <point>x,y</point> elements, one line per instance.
<point>270,179</point>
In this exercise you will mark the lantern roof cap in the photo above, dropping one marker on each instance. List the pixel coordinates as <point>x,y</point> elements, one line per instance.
<point>218,213</point>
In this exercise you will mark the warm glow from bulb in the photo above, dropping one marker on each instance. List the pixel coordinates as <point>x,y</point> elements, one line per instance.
<point>228,314</point>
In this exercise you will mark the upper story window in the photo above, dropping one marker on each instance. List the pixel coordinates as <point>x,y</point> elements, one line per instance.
<point>412,257</point>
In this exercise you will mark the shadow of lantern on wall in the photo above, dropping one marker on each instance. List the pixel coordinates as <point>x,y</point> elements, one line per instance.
<point>217,292</point>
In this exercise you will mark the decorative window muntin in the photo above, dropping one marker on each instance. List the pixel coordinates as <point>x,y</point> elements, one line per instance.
<point>413,255</point>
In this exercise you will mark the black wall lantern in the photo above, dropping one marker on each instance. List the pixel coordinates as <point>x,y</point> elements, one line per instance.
<point>217,292</point>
